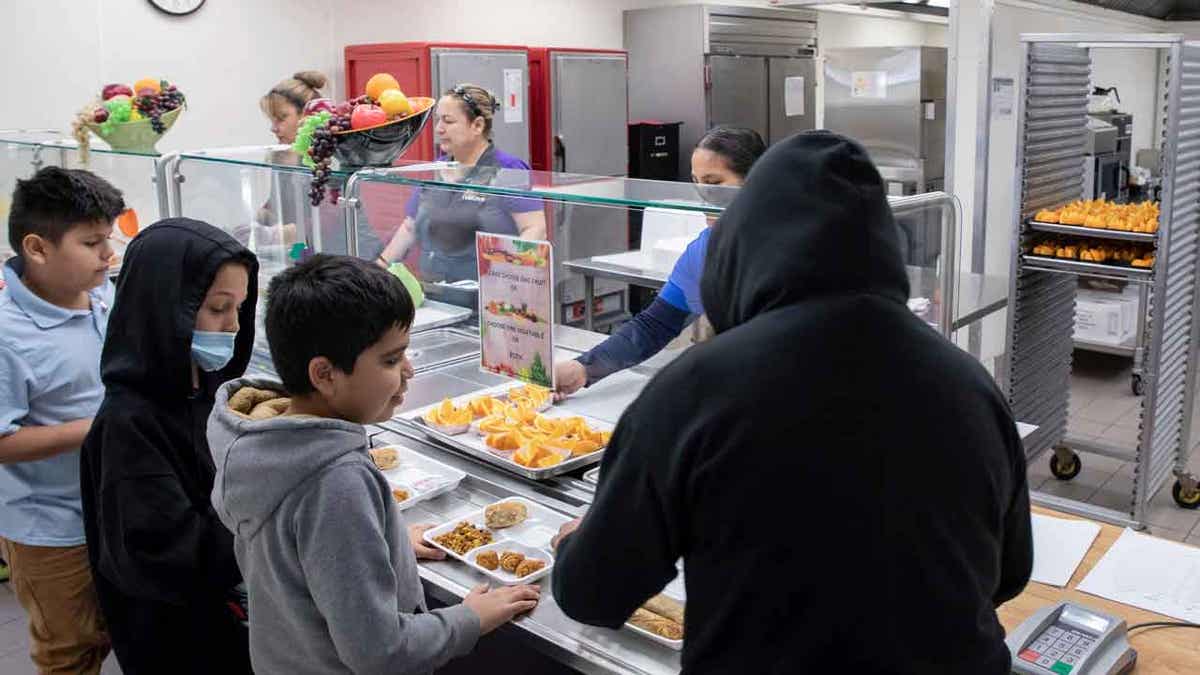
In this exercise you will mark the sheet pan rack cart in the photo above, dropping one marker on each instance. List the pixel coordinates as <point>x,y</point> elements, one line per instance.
<point>1049,173</point>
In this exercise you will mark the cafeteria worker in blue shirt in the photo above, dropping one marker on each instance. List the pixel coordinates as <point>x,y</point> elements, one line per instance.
<point>723,157</point>
<point>444,221</point>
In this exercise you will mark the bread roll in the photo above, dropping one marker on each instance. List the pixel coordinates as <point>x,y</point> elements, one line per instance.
<point>385,458</point>
<point>505,514</point>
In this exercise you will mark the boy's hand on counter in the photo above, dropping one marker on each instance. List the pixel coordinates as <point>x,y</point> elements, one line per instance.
<point>496,607</point>
<point>567,528</point>
<point>569,377</point>
<point>416,535</point>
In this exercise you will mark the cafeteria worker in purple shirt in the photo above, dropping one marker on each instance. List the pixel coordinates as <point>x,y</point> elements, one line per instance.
<point>444,222</point>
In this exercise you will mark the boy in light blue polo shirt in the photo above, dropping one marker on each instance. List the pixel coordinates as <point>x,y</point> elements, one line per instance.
<point>53,315</point>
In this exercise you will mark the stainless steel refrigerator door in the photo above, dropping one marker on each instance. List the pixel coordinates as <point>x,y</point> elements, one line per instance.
<point>737,93</point>
<point>873,95</point>
<point>590,113</point>
<point>793,91</point>
<point>498,72</point>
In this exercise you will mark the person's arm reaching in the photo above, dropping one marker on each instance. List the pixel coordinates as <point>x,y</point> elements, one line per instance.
<point>531,224</point>
<point>399,244</point>
<point>639,339</point>
<point>356,594</point>
<point>631,519</point>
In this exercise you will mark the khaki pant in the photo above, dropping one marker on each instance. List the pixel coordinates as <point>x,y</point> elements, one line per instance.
<point>54,585</point>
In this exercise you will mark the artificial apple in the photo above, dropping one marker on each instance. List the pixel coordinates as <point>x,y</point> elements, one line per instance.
<point>100,115</point>
<point>318,105</point>
<point>367,116</point>
<point>111,90</point>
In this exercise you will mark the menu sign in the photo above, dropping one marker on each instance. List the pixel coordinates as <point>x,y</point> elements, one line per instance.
<point>516,307</point>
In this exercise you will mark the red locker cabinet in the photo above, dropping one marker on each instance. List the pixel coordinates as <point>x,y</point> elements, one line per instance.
<point>430,68</point>
<point>579,104</point>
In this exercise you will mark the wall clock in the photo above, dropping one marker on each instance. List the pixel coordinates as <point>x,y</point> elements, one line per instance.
<point>177,7</point>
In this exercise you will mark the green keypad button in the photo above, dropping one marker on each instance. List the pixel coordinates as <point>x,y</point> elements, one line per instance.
<point>1062,668</point>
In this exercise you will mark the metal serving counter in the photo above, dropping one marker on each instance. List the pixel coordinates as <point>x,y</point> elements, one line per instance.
<point>546,629</point>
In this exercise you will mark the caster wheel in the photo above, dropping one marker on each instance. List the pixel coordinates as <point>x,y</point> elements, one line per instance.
<point>1137,385</point>
<point>1187,501</point>
<point>1065,471</point>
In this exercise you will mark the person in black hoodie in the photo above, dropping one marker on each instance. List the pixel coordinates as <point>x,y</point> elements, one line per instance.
<point>846,488</point>
<point>182,323</point>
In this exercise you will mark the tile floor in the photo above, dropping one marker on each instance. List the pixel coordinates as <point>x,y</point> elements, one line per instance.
<point>14,639</point>
<point>1102,407</point>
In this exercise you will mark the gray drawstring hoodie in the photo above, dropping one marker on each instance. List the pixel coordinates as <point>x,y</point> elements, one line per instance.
<point>332,577</point>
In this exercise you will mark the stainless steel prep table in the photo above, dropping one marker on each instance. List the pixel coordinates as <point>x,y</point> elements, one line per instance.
<point>978,295</point>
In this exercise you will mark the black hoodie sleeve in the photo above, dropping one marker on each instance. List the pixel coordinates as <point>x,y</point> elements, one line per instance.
<point>153,540</point>
<point>1016,556</point>
<point>592,581</point>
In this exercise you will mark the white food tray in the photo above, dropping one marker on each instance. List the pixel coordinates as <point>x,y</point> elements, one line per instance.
<point>531,537</point>
<point>423,478</point>
<point>675,591</point>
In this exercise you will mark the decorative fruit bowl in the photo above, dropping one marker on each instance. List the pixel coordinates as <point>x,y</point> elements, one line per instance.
<point>369,130</point>
<point>137,136</point>
<point>130,119</point>
<point>380,145</point>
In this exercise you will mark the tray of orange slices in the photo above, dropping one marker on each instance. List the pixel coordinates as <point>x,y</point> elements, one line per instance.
<point>515,428</point>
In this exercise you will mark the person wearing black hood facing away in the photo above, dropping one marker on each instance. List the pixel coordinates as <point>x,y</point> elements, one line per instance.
<point>846,488</point>
<point>182,324</point>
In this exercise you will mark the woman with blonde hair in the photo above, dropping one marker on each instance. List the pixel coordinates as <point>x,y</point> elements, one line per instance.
<point>284,104</point>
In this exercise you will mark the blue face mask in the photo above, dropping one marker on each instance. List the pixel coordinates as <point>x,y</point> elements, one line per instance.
<point>212,350</point>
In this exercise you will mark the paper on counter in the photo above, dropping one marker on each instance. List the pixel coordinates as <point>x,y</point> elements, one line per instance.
<point>1149,573</point>
<point>1059,545</point>
<point>607,399</point>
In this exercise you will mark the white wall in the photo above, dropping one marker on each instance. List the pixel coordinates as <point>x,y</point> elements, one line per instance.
<point>229,53</point>
<point>58,53</point>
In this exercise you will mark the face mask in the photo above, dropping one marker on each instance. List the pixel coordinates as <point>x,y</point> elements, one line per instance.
<point>717,195</point>
<point>212,350</point>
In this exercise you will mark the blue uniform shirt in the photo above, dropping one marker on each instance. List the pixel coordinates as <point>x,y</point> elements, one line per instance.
<point>683,286</point>
<point>49,374</point>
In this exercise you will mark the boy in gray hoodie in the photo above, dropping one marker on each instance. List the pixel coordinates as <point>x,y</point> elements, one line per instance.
<point>331,572</point>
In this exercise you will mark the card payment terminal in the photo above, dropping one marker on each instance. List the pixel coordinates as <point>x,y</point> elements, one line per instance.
<point>1067,639</point>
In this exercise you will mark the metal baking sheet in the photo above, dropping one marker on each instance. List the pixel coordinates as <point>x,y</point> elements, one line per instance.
<point>592,475</point>
<point>433,314</point>
<point>1138,274</point>
<point>1094,232</point>
<point>463,442</point>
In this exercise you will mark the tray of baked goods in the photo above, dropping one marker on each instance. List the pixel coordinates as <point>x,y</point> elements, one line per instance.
<point>515,428</point>
<point>1083,256</point>
<point>1101,219</point>
<point>661,618</point>
<point>412,476</point>
<point>508,542</point>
